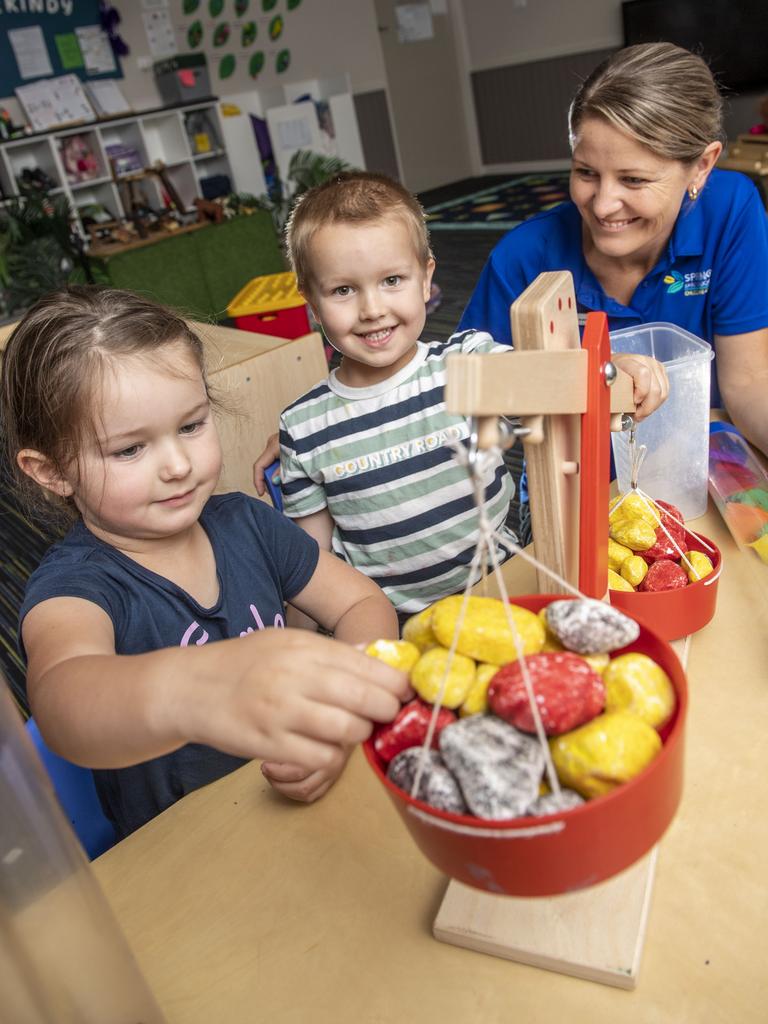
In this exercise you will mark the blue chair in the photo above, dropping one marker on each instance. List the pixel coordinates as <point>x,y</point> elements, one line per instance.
<point>272,480</point>
<point>76,790</point>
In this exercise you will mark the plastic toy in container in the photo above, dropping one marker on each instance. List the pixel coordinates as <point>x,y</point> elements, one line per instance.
<point>739,487</point>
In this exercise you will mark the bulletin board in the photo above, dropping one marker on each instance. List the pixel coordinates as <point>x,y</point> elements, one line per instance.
<point>58,21</point>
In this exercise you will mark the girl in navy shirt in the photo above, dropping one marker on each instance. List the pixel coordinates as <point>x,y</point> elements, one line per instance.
<point>153,631</point>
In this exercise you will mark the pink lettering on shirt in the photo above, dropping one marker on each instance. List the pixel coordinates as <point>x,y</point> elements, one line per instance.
<point>186,640</point>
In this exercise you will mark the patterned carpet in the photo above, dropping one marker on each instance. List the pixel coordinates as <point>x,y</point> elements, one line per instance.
<point>501,206</point>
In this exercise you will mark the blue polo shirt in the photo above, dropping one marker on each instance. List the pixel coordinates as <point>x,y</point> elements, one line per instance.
<point>711,279</point>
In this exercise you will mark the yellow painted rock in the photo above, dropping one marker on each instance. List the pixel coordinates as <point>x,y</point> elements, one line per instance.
<point>616,582</point>
<point>428,672</point>
<point>634,570</point>
<point>597,662</point>
<point>636,684</point>
<point>397,653</point>
<point>418,630</point>
<point>633,533</point>
<point>599,756</point>
<point>634,507</point>
<point>617,555</point>
<point>700,566</point>
<point>476,701</point>
<point>485,633</point>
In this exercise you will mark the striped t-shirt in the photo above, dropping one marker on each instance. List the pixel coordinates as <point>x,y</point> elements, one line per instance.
<point>379,459</point>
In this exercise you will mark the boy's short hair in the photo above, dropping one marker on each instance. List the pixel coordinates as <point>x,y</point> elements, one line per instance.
<point>350,198</point>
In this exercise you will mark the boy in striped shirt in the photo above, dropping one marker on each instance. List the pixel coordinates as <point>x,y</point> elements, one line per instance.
<point>365,462</point>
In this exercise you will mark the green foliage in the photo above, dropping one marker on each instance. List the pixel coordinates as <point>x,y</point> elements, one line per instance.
<point>37,248</point>
<point>305,170</point>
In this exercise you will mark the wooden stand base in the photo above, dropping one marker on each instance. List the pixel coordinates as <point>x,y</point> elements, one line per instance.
<point>596,934</point>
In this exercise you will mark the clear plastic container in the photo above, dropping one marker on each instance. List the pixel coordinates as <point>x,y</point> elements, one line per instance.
<point>739,487</point>
<point>677,434</point>
<point>63,958</point>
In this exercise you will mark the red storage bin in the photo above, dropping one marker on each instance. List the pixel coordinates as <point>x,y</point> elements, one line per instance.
<point>271,304</point>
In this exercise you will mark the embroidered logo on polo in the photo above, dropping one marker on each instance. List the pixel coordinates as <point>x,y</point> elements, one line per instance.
<point>674,282</point>
<point>694,283</point>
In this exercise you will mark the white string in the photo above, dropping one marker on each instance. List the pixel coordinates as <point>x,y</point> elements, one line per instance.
<point>486,538</point>
<point>650,504</point>
<point>637,455</point>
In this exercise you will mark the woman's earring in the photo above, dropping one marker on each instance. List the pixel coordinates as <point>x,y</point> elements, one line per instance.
<point>693,193</point>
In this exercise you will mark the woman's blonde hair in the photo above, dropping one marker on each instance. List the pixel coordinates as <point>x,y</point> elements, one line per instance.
<point>355,197</point>
<point>660,94</point>
<point>53,365</point>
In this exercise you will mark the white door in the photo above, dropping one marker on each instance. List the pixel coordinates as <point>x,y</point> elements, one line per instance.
<point>429,98</point>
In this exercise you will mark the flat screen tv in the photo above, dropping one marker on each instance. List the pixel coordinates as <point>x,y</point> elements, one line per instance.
<point>732,35</point>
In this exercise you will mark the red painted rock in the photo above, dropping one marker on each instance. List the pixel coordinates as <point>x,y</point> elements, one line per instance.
<point>568,692</point>
<point>664,546</point>
<point>671,515</point>
<point>409,729</point>
<point>664,575</point>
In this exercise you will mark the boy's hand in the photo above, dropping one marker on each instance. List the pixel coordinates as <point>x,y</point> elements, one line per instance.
<point>289,696</point>
<point>649,378</point>
<point>267,457</point>
<point>297,783</point>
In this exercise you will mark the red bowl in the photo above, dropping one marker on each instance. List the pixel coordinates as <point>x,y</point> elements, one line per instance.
<point>672,614</point>
<point>566,851</point>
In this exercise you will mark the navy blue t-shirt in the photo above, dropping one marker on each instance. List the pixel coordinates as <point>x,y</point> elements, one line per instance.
<point>262,560</point>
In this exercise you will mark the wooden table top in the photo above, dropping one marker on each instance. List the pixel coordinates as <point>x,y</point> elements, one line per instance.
<point>243,907</point>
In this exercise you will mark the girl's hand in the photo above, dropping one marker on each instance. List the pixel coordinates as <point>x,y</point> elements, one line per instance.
<point>650,381</point>
<point>297,783</point>
<point>289,696</point>
<point>268,456</point>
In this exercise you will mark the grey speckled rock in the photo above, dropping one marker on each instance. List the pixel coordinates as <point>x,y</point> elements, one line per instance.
<point>590,627</point>
<point>437,786</point>
<point>550,804</point>
<point>498,768</point>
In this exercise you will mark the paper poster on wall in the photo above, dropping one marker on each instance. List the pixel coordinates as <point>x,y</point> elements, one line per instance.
<point>107,97</point>
<point>53,102</point>
<point>414,23</point>
<point>160,34</point>
<point>97,53</point>
<point>70,54</point>
<point>30,51</point>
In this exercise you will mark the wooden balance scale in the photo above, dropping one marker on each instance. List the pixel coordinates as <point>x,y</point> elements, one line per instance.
<point>569,396</point>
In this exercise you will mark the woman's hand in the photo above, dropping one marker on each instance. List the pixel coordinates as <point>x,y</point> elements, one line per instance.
<point>268,456</point>
<point>651,385</point>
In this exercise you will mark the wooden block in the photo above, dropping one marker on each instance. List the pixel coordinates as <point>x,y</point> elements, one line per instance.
<point>544,318</point>
<point>256,379</point>
<point>526,383</point>
<point>596,934</point>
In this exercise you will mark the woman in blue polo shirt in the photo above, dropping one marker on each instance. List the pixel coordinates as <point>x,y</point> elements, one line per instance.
<point>652,232</point>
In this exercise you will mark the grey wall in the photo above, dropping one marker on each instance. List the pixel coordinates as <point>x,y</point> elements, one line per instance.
<point>522,109</point>
<point>526,59</point>
<point>375,130</point>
